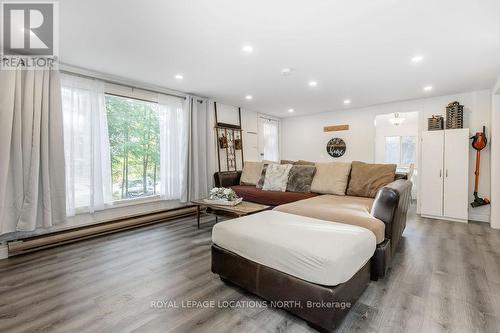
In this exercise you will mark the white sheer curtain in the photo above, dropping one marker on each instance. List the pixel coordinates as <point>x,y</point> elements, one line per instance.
<point>31,153</point>
<point>270,132</point>
<point>173,146</point>
<point>86,145</point>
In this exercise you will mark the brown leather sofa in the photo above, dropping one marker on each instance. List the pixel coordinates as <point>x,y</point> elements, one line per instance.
<point>389,206</point>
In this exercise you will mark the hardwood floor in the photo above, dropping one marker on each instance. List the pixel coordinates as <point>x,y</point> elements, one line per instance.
<point>445,278</point>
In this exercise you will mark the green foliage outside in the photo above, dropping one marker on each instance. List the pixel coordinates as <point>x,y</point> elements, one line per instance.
<point>134,135</point>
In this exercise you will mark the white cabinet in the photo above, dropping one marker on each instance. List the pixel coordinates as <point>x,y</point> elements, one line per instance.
<point>445,174</point>
<point>431,173</point>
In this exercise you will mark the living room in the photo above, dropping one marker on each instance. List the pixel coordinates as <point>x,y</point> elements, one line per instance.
<point>194,166</point>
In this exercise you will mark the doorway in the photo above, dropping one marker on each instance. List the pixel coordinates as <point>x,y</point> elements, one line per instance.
<point>396,142</point>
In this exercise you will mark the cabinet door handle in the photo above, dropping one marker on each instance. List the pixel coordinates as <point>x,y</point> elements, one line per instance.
<point>440,173</point>
<point>446,173</point>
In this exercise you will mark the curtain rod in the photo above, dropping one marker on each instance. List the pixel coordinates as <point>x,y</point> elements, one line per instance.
<point>269,118</point>
<point>105,78</point>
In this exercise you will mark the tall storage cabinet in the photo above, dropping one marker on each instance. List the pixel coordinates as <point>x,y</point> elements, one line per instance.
<point>444,182</point>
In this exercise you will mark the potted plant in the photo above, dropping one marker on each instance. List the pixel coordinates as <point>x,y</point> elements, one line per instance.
<point>223,196</point>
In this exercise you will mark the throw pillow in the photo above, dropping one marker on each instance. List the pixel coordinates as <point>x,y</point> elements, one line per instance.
<point>260,183</point>
<point>276,177</point>
<point>331,178</point>
<point>300,178</point>
<point>251,173</point>
<point>302,162</point>
<point>367,178</point>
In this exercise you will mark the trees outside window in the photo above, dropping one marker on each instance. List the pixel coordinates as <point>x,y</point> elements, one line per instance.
<point>134,137</point>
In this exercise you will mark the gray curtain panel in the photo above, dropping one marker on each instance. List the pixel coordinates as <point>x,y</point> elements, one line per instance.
<point>32,181</point>
<point>201,149</point>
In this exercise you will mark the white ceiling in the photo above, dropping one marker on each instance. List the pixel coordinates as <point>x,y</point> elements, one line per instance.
<point>355,49</point>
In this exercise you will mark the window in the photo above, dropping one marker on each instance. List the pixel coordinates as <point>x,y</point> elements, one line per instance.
<point>400,150</point>
<point>120,148</point>
<point>134,140</point>
<point>270,139</point>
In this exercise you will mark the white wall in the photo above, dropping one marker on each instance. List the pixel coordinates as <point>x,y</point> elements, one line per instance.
<point>303,137</point>
<point>495,157</point>
<point>250,129</point>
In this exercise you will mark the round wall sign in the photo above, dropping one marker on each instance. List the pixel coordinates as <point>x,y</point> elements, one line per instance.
<point>335,147</point>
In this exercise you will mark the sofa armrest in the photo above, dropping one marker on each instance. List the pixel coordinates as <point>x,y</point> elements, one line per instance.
<point>391,207</point>
<point>227,178</point>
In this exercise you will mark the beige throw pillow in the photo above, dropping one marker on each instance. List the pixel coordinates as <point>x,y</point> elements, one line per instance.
<point>251,173</point>
<point>367,178</point>
<point>276,177</point>
<point>331,178</point>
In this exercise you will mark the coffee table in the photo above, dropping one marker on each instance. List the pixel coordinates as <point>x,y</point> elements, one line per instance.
<point>241,209</point>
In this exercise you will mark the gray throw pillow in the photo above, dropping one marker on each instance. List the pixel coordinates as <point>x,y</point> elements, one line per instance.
<point>260,183</point>
<point>300,178</point>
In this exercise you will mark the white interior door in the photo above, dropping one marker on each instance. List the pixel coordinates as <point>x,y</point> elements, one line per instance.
<point>456,170</point>
<point>431,173</point>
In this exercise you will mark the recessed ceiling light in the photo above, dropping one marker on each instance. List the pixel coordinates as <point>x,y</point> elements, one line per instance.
<point>427,88</point>
<point>291,110</point>
<point>417,58</point>
<point>286,71</point>
<point>347,101</point>
<point>313,83</point>
<point>247,48</point>
<point>179,76</point>
<point>249,97</point>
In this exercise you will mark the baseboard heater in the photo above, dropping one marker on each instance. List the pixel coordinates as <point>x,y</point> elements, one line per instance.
<point>73,235</point>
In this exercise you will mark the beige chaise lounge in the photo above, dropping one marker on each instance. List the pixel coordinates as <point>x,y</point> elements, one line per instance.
<point>342,209</point>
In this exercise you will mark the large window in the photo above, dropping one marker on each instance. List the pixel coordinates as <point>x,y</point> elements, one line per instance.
<point>118,146</point>
<point>400,150</point>
<point>134,139</point>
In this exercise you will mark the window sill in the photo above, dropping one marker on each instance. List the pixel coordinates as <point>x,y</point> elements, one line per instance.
<point>121,203</point>
<point>134,201</point>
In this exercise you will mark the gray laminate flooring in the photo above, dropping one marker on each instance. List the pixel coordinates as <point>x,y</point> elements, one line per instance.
<point>445,278</point>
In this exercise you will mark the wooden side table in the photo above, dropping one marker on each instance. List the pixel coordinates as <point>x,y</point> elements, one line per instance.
<point>241,209</point>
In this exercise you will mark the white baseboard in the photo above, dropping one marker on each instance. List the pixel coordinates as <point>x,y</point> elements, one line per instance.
<point>450,219</point>
<point>479,217</point>
<point>4,251</point>
<point>480,214</point>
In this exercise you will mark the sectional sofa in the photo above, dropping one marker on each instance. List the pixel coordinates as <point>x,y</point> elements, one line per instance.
<point>371,197</point>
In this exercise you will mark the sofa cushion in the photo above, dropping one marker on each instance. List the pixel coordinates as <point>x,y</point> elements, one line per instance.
<point>270,198</point>
<point>287,162</point>
<point>367,179</point>
<point>302,162</point>
<point>276,177</point>
<point>342,209</point>
<point>270,162</point>
<point>300,178</point>
<point>331,178</point>
<point>251,173</point>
